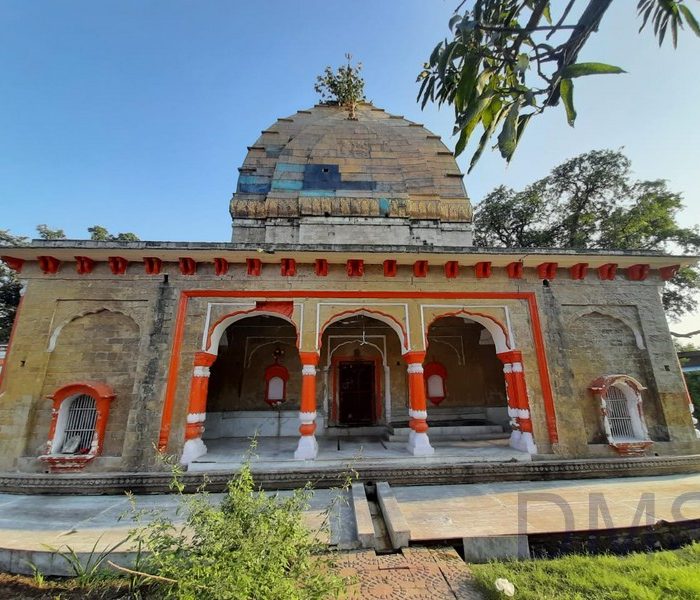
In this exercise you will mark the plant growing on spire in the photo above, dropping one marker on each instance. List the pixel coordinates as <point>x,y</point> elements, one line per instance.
<point>344,87</point>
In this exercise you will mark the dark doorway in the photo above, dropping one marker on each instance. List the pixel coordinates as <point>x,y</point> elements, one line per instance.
<point>356,391</point>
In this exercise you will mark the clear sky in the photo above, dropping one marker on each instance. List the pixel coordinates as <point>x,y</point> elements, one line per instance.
<point>136,114</point>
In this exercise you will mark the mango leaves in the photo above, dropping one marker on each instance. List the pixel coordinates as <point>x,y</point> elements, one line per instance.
<point>508,60</point>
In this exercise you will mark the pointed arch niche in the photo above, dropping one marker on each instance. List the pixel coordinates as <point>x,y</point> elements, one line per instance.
<point>249,348</point>
<point>364,378</point>
<point>464,352</point>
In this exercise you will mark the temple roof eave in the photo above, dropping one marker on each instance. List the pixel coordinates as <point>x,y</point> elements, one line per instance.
<point>67,250</point>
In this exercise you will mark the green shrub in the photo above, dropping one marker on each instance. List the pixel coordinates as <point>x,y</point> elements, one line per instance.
<point>251,546</point>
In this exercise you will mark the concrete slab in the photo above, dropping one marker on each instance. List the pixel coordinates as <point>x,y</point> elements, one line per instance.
<point>526,508</point>
<point>363,517</point>
<point>396,524</point>
<point>496,547</point>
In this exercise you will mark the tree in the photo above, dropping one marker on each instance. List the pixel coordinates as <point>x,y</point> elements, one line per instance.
<point>345,87</point>
<point>100,234</point>
<point>509,60</point>
<point>9,287</point>
<point>592,202</point>
<point>46,233</point>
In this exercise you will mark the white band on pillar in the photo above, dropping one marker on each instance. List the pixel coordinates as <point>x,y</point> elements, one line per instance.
<point>508,368</point>
<point>521,413</point>
<point>201,371</point>
<point>417,414</point>
<point>415,368</point>
<point>307,417</point>
<point>308,370</point>
<point>196,417</point>
<point>517,367</point>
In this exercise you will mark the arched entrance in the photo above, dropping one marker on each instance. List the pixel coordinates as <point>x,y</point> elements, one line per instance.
<point>364,382</point>
<point>464,376</point>
<point>255,381</point>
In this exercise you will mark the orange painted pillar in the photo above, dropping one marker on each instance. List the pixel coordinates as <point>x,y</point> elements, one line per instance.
<point>308,447</point>
<point>197,411</point>
<point>521,437</point>
<point>418,442</point>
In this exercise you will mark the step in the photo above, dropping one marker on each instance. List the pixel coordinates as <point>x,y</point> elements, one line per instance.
<point>369,430</point>
<point>455,432</point>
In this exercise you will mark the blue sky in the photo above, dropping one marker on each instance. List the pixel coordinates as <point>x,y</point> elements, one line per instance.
<point>135,115</point>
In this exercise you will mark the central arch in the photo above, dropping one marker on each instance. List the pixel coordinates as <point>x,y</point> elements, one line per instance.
<point>362,372</point>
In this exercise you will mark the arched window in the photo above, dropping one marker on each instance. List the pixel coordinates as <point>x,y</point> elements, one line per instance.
<point>78,424</point>
<point>75,431</point>
<point>620,398</point>
<point>435,376</point>
<point>276,377</point>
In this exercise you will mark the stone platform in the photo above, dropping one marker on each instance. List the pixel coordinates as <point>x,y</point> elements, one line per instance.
<point>275,469</point>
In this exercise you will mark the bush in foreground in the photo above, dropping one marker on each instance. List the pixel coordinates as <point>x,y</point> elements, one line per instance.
<point>251,546</point>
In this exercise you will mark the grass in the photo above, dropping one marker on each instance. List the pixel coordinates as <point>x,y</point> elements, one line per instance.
<point>639,576</point>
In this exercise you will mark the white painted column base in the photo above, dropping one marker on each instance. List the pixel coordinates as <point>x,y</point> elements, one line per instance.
<point>193,449</point>
<point>523,441</point>
<point>419,444</point>
<point>307,448</point>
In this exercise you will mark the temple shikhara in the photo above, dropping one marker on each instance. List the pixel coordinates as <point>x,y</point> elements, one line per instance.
<point>350,304</point>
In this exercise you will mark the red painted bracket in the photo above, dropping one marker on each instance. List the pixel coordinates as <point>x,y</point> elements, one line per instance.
<point>515,270</point>
<point>220,266</point>
<point>451,269</point>
<point>288,267</point>
<point>607,271</point>
<point>15,264</point>
<point>420,268</point>
<point>578,271</point>
<point>49,264</point>
<point>390,268</point>
<point>637,272</point>
<point>355,267</point>
<point>482,270</point>
<point>547,270</point>
<point>117,265</point>
<point>253,266</point>
<point>321,267</point>
<point>152,265</point>
<point>84,265</point>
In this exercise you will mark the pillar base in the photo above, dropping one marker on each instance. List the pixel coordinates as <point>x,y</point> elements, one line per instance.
<point>193,449</point>
<point>523,441</point>
<point>419,444</point>
<point>307,448</point>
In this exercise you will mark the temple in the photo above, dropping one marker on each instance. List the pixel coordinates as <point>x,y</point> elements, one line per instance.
<point>350,302</point>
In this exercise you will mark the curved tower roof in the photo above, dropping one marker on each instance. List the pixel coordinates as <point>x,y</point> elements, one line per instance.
<point>319,177</point>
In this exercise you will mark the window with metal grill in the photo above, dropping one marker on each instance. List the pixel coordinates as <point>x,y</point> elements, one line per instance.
<point>80,425</point>
<point>619,416</point>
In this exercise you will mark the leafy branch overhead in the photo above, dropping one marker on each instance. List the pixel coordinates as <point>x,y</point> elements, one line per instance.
<point>508,60</point>
<point>344,87</point>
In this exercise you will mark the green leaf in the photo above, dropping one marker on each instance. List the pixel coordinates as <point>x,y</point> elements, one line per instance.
<point>461,143</point>
<point>592,68</point>
<point>546,13</point>
<point>473,112</point>
<point>507,138</point>
<point>488,132</point>
<point>467,82</point>
<point>566,88</point>
<point>690,19</point>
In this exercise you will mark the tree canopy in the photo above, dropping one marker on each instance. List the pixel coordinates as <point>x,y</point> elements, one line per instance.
<point>506,61</point>
<point>592,202</point>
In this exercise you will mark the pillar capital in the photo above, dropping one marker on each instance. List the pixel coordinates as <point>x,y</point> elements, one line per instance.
<point>204,359</point>
<point>309,358</point>
<point>414,356</point>
<point>510,356</point>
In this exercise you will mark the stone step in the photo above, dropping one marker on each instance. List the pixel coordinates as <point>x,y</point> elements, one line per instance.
<point>370,430</point>
<point>452,432</point>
